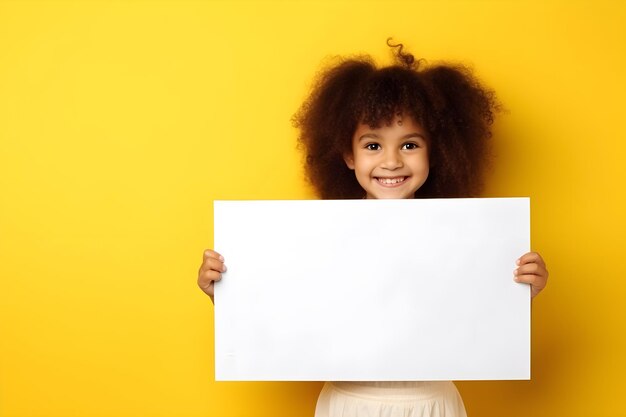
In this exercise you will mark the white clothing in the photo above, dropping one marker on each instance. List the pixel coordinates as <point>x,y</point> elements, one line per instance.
<point>390,399</point>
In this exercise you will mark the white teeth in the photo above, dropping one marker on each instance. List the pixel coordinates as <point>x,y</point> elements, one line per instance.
<point>391,180</point>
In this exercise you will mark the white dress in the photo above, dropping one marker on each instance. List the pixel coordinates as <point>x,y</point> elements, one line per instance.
<point>390,399</point>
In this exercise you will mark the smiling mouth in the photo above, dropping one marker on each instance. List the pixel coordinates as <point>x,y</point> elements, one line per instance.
<point>391,182</point>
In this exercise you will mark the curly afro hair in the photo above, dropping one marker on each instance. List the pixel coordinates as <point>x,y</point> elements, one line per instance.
<point>452,106</point>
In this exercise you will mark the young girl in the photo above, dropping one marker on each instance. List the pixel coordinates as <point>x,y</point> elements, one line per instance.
<point>396,132</point>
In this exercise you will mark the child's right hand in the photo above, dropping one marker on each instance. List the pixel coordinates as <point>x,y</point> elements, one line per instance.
<point>210,271</point>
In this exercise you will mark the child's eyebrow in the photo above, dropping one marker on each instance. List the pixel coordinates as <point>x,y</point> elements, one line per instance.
<point>377,136</point>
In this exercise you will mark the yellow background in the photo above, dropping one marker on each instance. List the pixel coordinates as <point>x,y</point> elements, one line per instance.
<point>120,122</point>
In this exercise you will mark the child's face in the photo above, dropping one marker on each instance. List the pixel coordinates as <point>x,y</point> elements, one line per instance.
<point>391,161</point>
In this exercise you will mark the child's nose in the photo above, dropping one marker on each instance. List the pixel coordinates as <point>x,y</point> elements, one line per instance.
<point>392,160</point>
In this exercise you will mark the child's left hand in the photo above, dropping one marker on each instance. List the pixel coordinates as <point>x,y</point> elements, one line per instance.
<point>532,270</point>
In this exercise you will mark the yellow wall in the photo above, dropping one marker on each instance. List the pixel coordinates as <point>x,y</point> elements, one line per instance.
<point>120,122</point>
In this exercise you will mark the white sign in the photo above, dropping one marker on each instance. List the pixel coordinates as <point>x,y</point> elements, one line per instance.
<point>378,290</point>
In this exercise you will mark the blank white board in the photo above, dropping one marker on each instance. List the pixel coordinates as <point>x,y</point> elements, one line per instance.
<point>379,290</point>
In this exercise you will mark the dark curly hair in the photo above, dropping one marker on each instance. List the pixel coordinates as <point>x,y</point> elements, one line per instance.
<point>452,106</point>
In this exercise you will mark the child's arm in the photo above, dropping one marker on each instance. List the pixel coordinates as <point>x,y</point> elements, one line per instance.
<point>532,270</point>
<point>210,271</point>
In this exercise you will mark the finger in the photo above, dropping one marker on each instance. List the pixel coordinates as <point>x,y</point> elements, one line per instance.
<point>210,253</point>
<point>212,264</point>
<point>534,272</point>
<point>207,278</point>
<point>537,284</point>
<point>531,268</point>
<point>531,257</point>
<point>532,279</point>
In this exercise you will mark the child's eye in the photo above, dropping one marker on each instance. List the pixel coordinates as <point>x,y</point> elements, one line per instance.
<point>372,147</point>
<point>410,146</point>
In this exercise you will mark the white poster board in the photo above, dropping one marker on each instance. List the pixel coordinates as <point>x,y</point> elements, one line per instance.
<point>380,290</point>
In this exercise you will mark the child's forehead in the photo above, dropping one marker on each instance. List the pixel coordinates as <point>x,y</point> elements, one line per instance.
<point>380,120</point>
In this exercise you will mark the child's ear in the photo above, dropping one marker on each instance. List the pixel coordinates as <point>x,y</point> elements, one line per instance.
<point>349,159</point>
